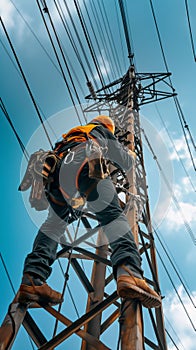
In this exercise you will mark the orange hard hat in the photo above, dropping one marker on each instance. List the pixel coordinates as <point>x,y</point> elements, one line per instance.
<point>105,121</point>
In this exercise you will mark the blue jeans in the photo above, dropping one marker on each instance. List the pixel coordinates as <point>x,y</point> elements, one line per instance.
<point>103,202</point>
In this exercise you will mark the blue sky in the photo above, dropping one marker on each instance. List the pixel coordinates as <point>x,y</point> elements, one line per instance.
<point>19,224</point>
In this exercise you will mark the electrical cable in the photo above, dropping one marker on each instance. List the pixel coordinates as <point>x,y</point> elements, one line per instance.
<point>106,36</point>
<point>126,31</point>
<point>70,36</point>
<point>173,284</point>
<point>46,52</point>
<point>69,291</point>
<point>45,9</point>
<point>89,42</point>
<point>81,44</point>
<point>120,35</point>
<point>174,267</point>
<point>173,332</point>
<point>110,37</point>
<point>173,144</point>
<point>190,30</point>
<point>96,40</point>
<point>22,146</point>
<point>66,275</point>
<point>102,37</point>
<point>26,83</point>
<point>186,224</point>
<point>13,289</point>
<point>176,101</point>
<point>171,339</point>
<point>20,75</point>
<point>181,118</point>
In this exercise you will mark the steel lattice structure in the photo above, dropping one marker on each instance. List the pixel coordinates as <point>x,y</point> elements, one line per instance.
<point>122,104</point>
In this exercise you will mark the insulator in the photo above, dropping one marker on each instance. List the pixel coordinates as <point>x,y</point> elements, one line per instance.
<point>91,89</point>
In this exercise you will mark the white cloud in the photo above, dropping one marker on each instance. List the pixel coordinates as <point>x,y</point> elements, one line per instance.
<point>12,15</point>
<point>175,218</point>
<point>174,311</point>
<point>104,66</point>
<point>7,13</point>
<point>182,152</point>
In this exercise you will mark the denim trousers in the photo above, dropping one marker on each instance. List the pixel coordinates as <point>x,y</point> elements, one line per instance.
<point>104,203</point>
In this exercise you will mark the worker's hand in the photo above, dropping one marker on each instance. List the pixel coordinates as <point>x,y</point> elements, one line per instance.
<point>132,154</point>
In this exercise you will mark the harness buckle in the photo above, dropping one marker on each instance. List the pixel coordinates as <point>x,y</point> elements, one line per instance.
<point>69,157</point>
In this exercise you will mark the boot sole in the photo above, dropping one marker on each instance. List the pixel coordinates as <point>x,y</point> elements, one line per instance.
<point>128,290</point>
<point>24,298</point>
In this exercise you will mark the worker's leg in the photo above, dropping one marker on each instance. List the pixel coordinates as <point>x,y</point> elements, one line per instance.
<point>103,201</point>
<point>37,266</point>
<point>43,254</point>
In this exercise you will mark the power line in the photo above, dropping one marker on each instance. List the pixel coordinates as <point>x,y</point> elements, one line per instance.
<point>13,289</point>
<point>89,42</point>
<point>109,36</point>
<point>55,51</point>
<point>70,36</point>
<point>186,224</point>
<point>174,333</point>
<point>44,49</point>
<point>126,31</point>
<point>171,339</point>
<point>81,44</point>
<point>190,30</point>
<point>22,146</point>
<point>120,35</point>
<point>102,37</point>
<point>26,83</point>
<point>176,101</point>
<point>173,144</point>
<point>173,265</point>
<point>179,297</point>
<point>96,40</point>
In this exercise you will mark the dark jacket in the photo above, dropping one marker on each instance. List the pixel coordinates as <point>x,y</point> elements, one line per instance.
<point>68,172</point>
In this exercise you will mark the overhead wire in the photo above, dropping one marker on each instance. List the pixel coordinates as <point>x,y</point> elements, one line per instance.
<point>102,38</point>
<point>46,10</point>
<point>106,35</point>
<point>13,289</point>
<point>173,144</point>
<point>89,42</point>
<point>178,273</point>
<point>70,36</point>
<point>110,37</point>
<point>44,49</point>
<point>190,29</point>
<point>66,275</point>
<point>120,35</point>
<point>173,284</point>
<point>81,44</point>
<point>96,40</point>
<point>176,101</point>
<point>126,32</point>
<point>186,224</point>
<point>26,83</point>
<point>22,146</point>
<point>20,75</point>
<point>179,340</point>
<point>170,337</point>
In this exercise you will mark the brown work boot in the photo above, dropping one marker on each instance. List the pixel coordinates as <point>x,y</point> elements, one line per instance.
<point>132,287</point>
<point>41,293</point>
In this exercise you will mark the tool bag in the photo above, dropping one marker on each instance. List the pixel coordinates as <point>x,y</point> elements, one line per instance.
<point>39,174</point>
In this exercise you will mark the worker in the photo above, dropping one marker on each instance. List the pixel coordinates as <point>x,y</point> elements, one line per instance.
<point>91,180</point>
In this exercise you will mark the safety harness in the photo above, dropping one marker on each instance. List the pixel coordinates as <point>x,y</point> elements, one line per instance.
<point>44,166</point>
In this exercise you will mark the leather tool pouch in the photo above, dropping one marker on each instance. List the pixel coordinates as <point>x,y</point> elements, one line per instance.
<point>39,174</point>
<point>96,162</point>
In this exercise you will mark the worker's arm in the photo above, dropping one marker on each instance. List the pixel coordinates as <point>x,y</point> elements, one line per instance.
<point>115,152</point>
